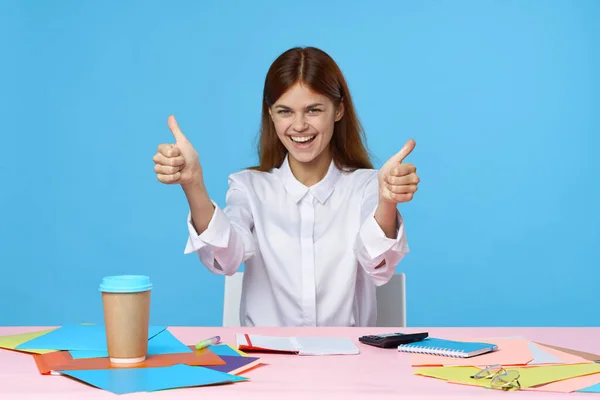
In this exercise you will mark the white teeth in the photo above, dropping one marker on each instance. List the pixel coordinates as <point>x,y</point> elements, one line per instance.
<point>301,139</point>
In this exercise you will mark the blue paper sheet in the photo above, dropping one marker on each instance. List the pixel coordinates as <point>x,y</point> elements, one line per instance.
<point>163,343</point>
<point>224,350</point>
<point>77,337</point>
<point>130,380</point>
<point>591,389</point>
<point>541,356</point>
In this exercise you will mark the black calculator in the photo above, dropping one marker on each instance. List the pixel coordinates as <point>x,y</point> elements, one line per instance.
<point>389,340</point>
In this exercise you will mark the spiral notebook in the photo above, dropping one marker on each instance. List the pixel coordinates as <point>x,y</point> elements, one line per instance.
<point>448,348</point>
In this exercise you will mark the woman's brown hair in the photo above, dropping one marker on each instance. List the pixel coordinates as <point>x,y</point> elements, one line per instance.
<point>317,70</point>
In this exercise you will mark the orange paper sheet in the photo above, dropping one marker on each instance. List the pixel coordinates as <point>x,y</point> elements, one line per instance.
<point>565,357</point>
<point>510,351</point>
<point>569,357</point>
<point>62,360</point>
<point>582,354</point>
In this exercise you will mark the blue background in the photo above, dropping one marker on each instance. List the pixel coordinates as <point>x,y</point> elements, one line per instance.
<point>502,98</point>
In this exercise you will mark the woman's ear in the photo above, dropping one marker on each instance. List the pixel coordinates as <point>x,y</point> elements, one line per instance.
<point>340,111</point>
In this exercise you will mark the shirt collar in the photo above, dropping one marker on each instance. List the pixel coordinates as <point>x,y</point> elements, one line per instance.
<point>297,190</point>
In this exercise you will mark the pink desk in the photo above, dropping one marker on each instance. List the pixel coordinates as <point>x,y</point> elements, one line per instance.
<point>374,374</point>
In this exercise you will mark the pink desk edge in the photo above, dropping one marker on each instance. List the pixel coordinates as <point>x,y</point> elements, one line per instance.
<point>374,374</point>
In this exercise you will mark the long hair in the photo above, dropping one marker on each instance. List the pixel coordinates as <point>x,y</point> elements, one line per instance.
<point>317,70</point>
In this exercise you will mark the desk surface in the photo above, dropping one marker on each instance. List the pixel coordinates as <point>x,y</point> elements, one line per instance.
<point>374,374</point>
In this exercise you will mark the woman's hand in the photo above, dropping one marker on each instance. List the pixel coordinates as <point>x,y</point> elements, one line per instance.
<point>178,162</point>
<point>398,181</point>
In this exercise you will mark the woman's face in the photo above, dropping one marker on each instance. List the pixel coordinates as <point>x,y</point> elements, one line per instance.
<point>304,122</point>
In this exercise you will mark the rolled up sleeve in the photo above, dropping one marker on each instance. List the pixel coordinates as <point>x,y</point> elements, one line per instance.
<point>372,246</point>
<point>228,240</point>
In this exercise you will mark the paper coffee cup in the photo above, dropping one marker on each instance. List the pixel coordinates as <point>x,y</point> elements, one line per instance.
<point>126,303</point>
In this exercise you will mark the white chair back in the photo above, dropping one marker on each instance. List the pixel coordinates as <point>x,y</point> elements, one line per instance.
<point>391,302</point>
<point>231,302</point>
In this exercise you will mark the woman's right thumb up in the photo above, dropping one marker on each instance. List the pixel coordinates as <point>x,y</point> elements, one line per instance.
<point>174,127</point>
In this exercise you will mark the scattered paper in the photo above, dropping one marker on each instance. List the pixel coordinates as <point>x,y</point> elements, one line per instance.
<point>529,376</point>
<point>13,341</point>
<point>62,360</point>
<point>162,343</point>
<point>131,380</point>
<point>77,337</point>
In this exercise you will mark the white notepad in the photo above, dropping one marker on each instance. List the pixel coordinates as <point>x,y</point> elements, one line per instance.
<point>304,346</point>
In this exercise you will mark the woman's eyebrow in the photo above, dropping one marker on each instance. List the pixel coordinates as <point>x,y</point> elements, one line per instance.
<point>307,107</point>
<point>314,105</point>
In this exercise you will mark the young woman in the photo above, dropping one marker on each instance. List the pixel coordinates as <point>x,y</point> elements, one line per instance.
<point>316,226</point>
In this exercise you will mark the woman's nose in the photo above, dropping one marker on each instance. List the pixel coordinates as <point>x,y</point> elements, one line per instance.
<point>300,122</point>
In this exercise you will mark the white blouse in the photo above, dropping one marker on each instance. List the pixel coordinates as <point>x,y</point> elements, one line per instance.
<point>310,253</point>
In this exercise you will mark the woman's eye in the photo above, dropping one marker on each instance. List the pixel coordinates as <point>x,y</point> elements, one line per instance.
<point>283,112</point>
<point>315,110</point>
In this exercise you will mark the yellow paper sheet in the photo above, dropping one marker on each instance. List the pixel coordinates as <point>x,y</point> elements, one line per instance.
<point>12,341</point>
<point>530,376</point>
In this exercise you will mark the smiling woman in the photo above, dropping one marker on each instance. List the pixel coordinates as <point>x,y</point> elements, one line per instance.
<point>306,99</point>
<point>315,224</point>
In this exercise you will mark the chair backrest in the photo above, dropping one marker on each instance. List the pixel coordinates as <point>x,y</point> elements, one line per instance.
<point>391,302</point>
<point>232,299</point>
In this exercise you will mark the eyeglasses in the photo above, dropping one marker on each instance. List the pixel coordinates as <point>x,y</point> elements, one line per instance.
<point>500,378</point>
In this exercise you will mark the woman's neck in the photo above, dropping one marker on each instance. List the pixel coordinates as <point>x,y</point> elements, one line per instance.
<point>311,172</point>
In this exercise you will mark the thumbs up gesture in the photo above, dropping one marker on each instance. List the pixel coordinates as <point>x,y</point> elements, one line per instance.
<point>178,162</point>
<point>398,180</point>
